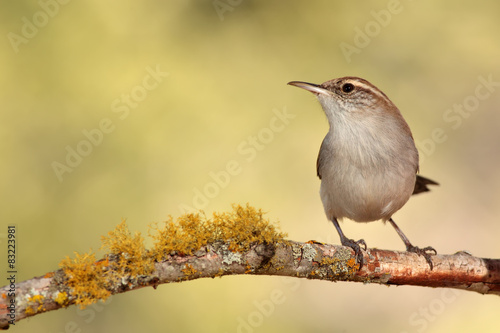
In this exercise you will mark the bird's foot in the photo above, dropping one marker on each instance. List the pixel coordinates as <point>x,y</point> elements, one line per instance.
<point>357,249</point>
<point>425,252</point>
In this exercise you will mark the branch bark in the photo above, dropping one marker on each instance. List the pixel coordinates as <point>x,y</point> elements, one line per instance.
<point>288,258</point>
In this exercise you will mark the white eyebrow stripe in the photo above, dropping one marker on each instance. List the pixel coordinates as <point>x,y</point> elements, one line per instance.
<point>371,88</point>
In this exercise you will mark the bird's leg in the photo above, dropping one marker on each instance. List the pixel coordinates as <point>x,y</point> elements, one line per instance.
<point>351,243</point>
<point>425,252</point>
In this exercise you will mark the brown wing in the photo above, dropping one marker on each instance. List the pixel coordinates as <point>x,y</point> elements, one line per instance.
<point>323,153</point>
<point>421,184</point>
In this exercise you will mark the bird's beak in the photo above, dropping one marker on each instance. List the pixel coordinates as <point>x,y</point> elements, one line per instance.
<point>314,88</point>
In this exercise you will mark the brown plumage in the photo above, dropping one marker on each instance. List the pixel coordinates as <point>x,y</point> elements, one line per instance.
<point>368,161</point>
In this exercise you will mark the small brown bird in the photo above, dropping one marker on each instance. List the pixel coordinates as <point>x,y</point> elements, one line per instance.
<point>368,161</point>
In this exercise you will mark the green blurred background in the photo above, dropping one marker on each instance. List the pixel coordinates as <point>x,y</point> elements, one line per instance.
<point>228,63</point>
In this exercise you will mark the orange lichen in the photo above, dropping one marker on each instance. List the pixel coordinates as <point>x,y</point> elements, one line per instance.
<point>49,275</point>
<point>189,270</point>
<point>352,263</point>
<point>248,269</point>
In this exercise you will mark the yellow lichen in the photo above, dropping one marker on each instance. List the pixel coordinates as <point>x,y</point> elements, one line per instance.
<point>86,278</point>
<point>338,267</point>
<point>35,304</point>
<point>220,273</point>
<point>240,228</point>
<point>61,299</point>
<point>184,236</point>
<point>189,270</point>
<point>91,280</point>
<point>132,255</point>
<point>127,258</point>
<point>329,261</point>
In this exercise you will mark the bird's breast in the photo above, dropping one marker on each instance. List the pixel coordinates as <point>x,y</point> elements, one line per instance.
<point>364,178</point>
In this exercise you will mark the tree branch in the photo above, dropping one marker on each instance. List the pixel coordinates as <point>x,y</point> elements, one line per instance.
<point>284,258</point>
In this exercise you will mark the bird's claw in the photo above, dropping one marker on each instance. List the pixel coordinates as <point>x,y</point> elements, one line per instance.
<point>425,252</point>
<point>357,249</point>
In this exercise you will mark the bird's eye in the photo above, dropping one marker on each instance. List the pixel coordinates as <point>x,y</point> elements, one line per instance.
<point>347,88</point>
